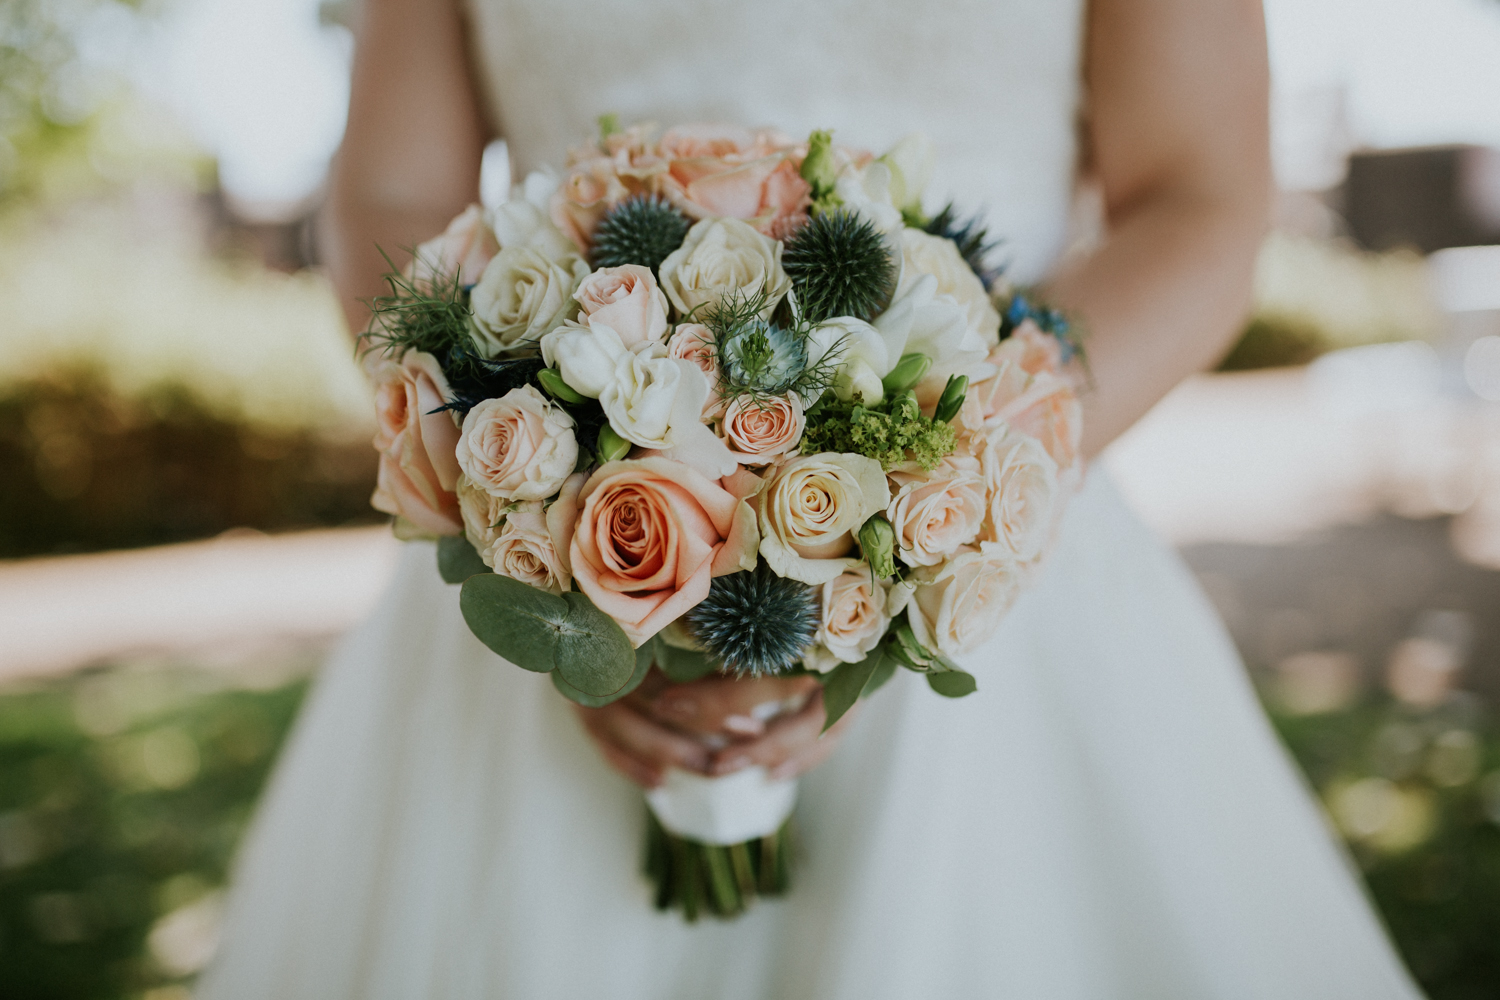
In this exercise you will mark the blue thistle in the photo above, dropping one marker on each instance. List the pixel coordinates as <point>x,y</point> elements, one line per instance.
<point>756,622</point>
<point>640,230</point>
<point>840,266</point>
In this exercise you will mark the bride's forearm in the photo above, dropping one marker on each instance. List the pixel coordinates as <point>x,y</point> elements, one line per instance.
<point>1161,299</point>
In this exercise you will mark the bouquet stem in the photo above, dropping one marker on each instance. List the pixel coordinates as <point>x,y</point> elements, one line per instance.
<point>719,880</point>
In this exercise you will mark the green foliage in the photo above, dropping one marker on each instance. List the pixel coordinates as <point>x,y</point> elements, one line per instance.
<point>457,559</point>
<point>910,370</point>
<point>848,682</point>
<point>543,632</point>
<point>714,879</point>
<point>756,622</point>
<point>840,265</point>
<point>972,238</point>
<point>642,230</point>
<point>952,399</point>
<point>681,666</point>
<point>952,683</point>
<point>643,660</point>
<point>889,432</point>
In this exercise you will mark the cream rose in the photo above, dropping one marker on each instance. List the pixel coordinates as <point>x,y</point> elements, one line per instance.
<point>416,439</point>
<point>523,540</point>
<point>933,513</point>
<point>590,189</point>
<point>853,619</point>
<point>463,250</point>
<point>522,295</point>
<point>1021,481</point>
<point>627,300</point>
<point>651,535</point>
<point>758,431</point>
<point>811,509</point>
<point>957,605</point>
<point>1030,392</point>
<point>721,257</point>
<point>518,447</point>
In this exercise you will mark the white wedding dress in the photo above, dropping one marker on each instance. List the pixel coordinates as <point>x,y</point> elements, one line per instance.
<point>1110,816</point>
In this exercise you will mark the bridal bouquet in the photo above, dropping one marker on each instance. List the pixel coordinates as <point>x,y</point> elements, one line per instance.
<point>723,401</point>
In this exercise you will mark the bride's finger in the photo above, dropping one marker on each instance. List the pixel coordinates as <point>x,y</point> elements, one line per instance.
<point>739,706</point>
<point>787,740</point>
<point>646,741</point>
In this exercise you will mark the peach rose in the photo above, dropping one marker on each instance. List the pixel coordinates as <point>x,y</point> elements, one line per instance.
<point>416,439</point>
<point>957,605</point>
<point>464,248</point>
<point>695,342</point>
<point>651,535</point>
<point>1028,391</point>
<point>811,509</point>
<point>768,193</point>
<point>935,512</point>
<point>1021,481</point>
<point>627,300</point>
<point>757,431</point>
<point>590,189</point>
<point>518,447</point>
<point>527,541</point>
<point>853,619</point>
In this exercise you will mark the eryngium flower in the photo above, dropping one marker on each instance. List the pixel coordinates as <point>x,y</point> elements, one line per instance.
<point>756,622</point>
<point>641,230</point>
<point>840,265</point>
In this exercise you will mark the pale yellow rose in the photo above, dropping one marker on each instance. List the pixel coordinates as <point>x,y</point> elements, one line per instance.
<point>522,295</point>
<point>810,511</point>
<point>1022,499</point>
<point>720,258</point>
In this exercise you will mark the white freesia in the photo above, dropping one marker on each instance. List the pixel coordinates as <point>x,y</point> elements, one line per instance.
<point>520,223</point>
<point>911,162</point>
<point>811,510</point>
<point>1022,494</point>
<point>866,191</point>
<point>923,253</point>
<point>722,257</point>
<point>922,321</point>
<point>860,353</point>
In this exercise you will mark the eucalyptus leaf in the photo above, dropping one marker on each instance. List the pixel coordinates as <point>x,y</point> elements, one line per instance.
<point>457,559</point>
<point>952,683</point>
<point>642,668</point>
<point>846,682</point>
<point>539,631</point>
<point>684,665</point>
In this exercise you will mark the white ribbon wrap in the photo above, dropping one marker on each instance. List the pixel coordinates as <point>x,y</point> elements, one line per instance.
<point>729,810</point>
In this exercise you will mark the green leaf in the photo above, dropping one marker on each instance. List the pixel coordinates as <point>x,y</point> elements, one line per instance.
<point>845,684</point>
<point>952,683</point>
<point>883,673</point>
<point>643,661</point>
<point>457,559</point>
<point>539,631</point>
<point>684,665</point>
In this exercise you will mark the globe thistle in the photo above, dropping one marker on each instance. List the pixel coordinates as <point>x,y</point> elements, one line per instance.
<point>840,266</point>
<point>756,622</point>
<point>971,237</point>
<point>640,230</point>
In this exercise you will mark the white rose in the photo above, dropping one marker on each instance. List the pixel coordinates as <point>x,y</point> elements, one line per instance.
<point>936,512</point>
<point>853,618</point>
<point>1021,482</point>
<point>922,321</point>
<point>911,162</point>
<point>957,605</point>
<point>522,295</point>
<point>811,510</point>
<point>721,257</point>
<point>861,356</point>
<point>922,254</point>
<point>523,224</point>
<point>518,447</point>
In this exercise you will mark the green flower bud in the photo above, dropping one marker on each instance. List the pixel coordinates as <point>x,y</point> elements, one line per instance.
<point>611,447</point>
<point>907,373</point>
<point>953,398</point>
<point>906,407</point>
<point>555,386</point>
<point>877,540</point>
<point>817,168</point>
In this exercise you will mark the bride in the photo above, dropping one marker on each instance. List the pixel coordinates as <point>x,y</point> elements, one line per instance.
<point>1109,817</point>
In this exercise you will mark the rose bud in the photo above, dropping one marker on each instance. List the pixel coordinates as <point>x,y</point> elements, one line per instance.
<point>877,539</point>
<point>556,387</point>
<point>817,167</point>
<point>611,447</point>
<point>953,398</point>
<point>907,373</point>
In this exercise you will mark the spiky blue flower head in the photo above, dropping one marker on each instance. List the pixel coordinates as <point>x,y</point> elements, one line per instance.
<point>763,357</point>
<point>756,622</point>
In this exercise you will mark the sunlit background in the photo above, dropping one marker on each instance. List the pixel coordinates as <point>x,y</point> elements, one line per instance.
<point>185,467</point>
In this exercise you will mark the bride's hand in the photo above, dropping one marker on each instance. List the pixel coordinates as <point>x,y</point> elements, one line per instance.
<point>716,725</point>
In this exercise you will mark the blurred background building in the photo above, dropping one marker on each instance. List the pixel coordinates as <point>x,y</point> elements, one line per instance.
<point>185,467</point>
